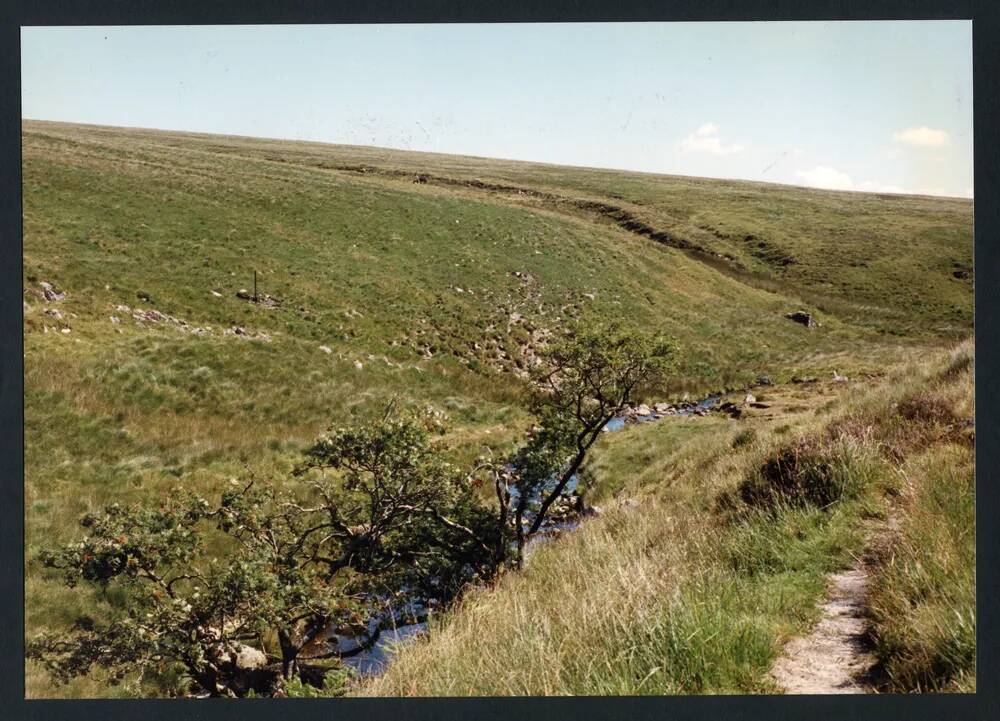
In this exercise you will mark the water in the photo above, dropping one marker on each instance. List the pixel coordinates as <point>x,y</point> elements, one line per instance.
<point>375,660</point>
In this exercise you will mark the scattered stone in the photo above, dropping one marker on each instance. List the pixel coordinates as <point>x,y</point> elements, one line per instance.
<point>50,293</point>
<point>837,378</point>
<point>65,330</point>
<point>54,313</point>
<point>800,316</point>
<point>764,380</point>
<point>803,379</point>
<point>358,364</point>
<point>750,399</point>
<point>729,408</point>
<point>643,410</point>
<point>663,408</point>
<point>248,657</point>
<point>589,296</point>
<point>216,293</point>
<point>326,349</point>
<point>144,296</point>
<point>115,319</point>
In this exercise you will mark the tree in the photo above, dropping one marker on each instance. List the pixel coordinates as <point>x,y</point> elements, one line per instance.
<point>178,612</point>
<point>582,383</point>
<point>377,514</point>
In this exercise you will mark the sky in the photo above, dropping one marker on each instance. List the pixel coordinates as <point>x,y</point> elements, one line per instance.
<point>870,106</point>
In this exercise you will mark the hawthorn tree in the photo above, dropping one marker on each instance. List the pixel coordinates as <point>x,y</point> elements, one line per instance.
<point>377,516</point>
<point>582,382</point>
<point>376,512</point>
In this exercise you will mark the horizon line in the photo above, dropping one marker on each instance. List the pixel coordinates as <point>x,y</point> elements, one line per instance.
<point>970,198</point>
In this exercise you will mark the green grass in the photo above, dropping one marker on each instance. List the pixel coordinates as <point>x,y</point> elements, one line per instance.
<point>696,591</point>
<point>436,294</point>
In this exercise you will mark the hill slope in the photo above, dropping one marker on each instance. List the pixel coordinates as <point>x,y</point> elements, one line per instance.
<point>431,278</point>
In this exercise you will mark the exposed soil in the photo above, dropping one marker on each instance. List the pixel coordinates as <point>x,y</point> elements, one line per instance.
<point>834,658</point>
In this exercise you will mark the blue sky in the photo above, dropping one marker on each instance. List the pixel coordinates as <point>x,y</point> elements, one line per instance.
<point>882,106</point>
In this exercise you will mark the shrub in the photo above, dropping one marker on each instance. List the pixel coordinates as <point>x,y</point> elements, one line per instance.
<point>805,472</point>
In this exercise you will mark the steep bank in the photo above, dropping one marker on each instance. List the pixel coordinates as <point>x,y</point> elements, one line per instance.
<point>697,586</point>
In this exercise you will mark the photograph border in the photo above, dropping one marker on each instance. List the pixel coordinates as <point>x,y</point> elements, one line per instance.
<point>986,83</point>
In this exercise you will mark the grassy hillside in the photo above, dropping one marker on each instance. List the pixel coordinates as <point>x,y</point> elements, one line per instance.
<point>428,278</point>
<point>690,584</point>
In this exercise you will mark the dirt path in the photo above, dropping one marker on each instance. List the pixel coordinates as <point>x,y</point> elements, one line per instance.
<point>833,658</point>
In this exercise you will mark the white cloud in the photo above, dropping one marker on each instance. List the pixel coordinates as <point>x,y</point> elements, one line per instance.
<point>824,177</point>
<point>923,137</point>
<point>706,140</point>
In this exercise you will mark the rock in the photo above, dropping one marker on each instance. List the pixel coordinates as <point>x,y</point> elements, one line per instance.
<point>244,294</point>
<point>589,296</point>
<point>764,380</point>
<point>803,379</point>
<point>50,293</point>
<point>153,316</point>
<point>65,330</point>
<point>358,364</point>
<point>800,316</point>
<point>750,399</point>
<point>326,349</point>
<point>247,658</point>
<point>216,293</point>
<point>54,313</point>
<point>643,410</point>
<point>115,319</point>
<point>837,378</point>
<point>731,409</point>
<point>143,295</point>
<point>663,407</point>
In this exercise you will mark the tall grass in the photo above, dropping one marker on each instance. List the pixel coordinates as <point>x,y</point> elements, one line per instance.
<point>923,598</point>
<point>685,594</point>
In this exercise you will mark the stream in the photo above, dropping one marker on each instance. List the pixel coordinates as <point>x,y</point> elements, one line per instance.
<point>391,629</point>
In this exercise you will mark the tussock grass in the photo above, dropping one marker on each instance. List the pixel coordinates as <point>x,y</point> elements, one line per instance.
<point>695,590</point>
<point>923,598</point>
<point>402,281</point>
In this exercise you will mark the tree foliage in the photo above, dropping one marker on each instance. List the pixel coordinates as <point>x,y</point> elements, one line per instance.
<point>376,516</point>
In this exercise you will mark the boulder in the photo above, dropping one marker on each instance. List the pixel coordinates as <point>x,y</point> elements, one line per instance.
<point>643,410</point>
<point>50,293</point>
<point>800,316</point>
<point>663,407</point>
<point>246,658</point>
